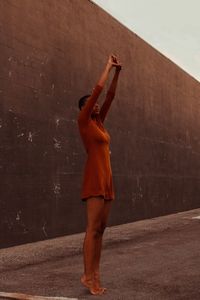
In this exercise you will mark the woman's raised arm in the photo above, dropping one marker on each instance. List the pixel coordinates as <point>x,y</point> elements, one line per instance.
<point>88,107</point>
<point>110,94</point>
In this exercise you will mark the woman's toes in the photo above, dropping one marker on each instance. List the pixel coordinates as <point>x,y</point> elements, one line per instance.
<point>92,285</point>
<point>102,290</point>
<point>98,291</point>
<point>98,283</point>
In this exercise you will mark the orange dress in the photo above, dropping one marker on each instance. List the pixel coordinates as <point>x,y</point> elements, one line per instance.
<point>97,179</point>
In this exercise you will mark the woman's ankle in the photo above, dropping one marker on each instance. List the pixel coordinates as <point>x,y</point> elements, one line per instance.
<point>91,276</point>
<point>88,277</point>
<point>96,273</point>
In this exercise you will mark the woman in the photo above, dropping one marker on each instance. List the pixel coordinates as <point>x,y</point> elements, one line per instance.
<point>97,189</point>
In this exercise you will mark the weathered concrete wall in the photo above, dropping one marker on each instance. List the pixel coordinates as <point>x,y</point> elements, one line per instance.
<point>51,53</point>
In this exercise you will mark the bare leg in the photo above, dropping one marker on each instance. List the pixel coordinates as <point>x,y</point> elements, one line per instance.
<point>95,206</point>
<point>104,219</point>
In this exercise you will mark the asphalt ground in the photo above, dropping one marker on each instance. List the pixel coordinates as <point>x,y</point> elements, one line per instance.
<point>153,259</point>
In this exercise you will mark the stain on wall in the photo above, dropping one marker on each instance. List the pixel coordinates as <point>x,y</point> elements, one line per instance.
<point>51,54</point>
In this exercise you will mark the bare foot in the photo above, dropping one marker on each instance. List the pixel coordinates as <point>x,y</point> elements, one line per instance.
<point>86,282</point>
<point>92,285</point>
<point>98,291</point>
<point>97,280</point>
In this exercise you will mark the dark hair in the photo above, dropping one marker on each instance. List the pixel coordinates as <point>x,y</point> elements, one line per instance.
<point>82,101</point>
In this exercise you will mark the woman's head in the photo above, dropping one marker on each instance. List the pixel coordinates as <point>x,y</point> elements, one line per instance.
<point>82,101</point>
<point>96,108</point>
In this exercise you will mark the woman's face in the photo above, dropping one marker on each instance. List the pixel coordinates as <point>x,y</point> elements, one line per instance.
<point>96,108</point>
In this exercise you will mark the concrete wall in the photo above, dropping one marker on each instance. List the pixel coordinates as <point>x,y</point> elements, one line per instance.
<point>52,53</point>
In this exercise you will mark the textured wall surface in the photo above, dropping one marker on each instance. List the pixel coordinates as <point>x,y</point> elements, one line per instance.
<point>51,53</point>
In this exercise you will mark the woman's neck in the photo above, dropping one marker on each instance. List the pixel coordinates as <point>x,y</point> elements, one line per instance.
<point>95,117</point>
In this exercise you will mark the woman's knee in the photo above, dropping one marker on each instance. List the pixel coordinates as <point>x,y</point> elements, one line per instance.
<point>94,231</point>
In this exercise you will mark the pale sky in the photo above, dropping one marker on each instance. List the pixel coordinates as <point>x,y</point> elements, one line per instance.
<point>170,26</point>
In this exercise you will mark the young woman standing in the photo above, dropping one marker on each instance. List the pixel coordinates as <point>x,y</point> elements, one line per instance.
<point>97,188</point>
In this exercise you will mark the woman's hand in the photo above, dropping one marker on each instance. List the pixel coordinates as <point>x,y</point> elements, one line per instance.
<point>113,61</point>
<point>118,68</point>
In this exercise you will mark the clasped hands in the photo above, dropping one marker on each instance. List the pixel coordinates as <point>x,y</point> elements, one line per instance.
<point>113,61</point>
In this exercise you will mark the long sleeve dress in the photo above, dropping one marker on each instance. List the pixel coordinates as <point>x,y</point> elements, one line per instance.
<point>97,178</point>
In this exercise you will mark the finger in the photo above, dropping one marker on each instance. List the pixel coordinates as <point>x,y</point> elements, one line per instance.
<point>115,60</point>
<point>114,56</point>
<point>115,64</point>
<point>118,67</point>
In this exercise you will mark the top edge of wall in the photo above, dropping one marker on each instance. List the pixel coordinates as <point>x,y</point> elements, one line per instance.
<point>139,37</point>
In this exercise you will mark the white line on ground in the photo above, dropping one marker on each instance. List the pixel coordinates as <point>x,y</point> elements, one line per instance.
<point>20,296</point>
<point>197,217</point>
